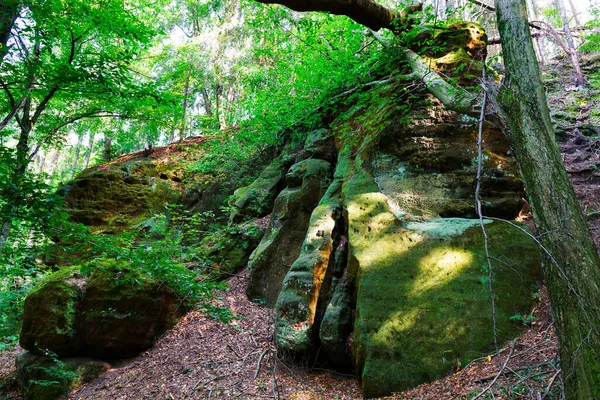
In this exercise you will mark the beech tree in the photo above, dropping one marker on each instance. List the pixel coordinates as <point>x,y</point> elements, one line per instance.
<point>572,272</point>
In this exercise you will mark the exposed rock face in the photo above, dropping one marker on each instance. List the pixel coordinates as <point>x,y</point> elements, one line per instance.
<point>409,286</point>
<point>116,196</point>
<point>256,200</point>
<point>297,303</point>
<point>226,252</point>
<point>46,378</point>
<point>116,312</point>
<point>306,181</point>
<point>429,171</point>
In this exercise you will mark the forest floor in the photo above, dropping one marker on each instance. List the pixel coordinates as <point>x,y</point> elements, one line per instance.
<point>202,358</point>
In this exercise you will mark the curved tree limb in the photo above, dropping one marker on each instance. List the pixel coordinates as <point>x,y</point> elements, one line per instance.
<point>366,12</point>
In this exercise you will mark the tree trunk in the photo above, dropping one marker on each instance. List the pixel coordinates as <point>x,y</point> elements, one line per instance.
<point>574,280</point>
<point>13,194</point>
<point>41,162</point>
<point>76,156</point>
<point>186,94</point>
<point>366,12</point>
<point>107,153</point>
<point>579,80</point>
<point>54,162</point>
<point>8,14</point>
<point>574,10</point>
<point>207,103</point>
<point>89,150</point>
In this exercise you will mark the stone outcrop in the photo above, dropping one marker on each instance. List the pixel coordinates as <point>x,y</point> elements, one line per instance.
<point>114,197</point>
<point>256,200</point>
<point>397,287</point>
<point>114,312</point>
<point>306,181</point>
<point>226,251</point>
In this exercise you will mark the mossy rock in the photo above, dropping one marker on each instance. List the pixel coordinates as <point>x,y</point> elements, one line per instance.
<point>114,197</point>
<point>256,200</point>
<point>319,144</point>
<point>430,171</point>
<point>336,325</point>
<point>123,311</point>
<point>422,303</point>
<point>47,378</point>
<point>116,311</point>
<point>296,308</point>
<point>437,41</point>
<point>307,182</point>
<point>227,251</point>
<point>422,299</point>
<point>50,314</point>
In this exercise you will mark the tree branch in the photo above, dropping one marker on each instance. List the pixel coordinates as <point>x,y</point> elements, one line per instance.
<point>91,114</point>
<point>366,12</point>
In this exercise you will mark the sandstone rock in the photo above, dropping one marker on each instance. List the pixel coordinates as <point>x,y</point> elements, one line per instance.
<point>115,312</point>
<point>336,325</point>
<point>296,307</point>
<point>422,302</point>
<point>123,311</point>
<point>227,251</point>
<point>319,144</point>
<point>50,314</point>
<point>48,378</point>
<point>307,182</point>
<point>115,197</point>
<point>256,200</point>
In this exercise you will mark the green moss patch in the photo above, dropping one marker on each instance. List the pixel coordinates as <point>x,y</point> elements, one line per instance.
<point>423,305</point>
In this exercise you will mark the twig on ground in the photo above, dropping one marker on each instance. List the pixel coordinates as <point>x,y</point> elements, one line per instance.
<point>500,373</point>
<point>262,355</point>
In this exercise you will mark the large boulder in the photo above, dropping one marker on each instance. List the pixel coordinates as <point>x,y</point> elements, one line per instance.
<point>416,254</point>
<point>116,311</point>
<point>306,181</point>
<point>116,196</point>
<point>48,378</point>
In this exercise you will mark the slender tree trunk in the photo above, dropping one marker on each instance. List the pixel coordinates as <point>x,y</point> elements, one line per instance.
<point>54,162</point>
<point>575,16</point>
<point>186,94</point>
<point>41,162</point>
<point>574,280</point>
<point>76,156</point>
<point>107,153</point>
<point>579,80</point>
<point>89,150</point>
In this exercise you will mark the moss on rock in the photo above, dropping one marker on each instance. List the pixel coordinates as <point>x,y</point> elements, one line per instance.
<point>296,306</point>
<point>48,378</point>
<point>116,311</point>
<point>227,251</point>
<point>256,200</point>
<point>50,314</point>
<point>307,182</point>
<point>124,310</point>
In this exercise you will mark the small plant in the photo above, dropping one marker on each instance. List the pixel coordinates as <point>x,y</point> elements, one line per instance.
<point>524,319</point>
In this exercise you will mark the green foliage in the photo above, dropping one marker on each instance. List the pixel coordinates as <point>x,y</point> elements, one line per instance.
<point>591,41</point>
